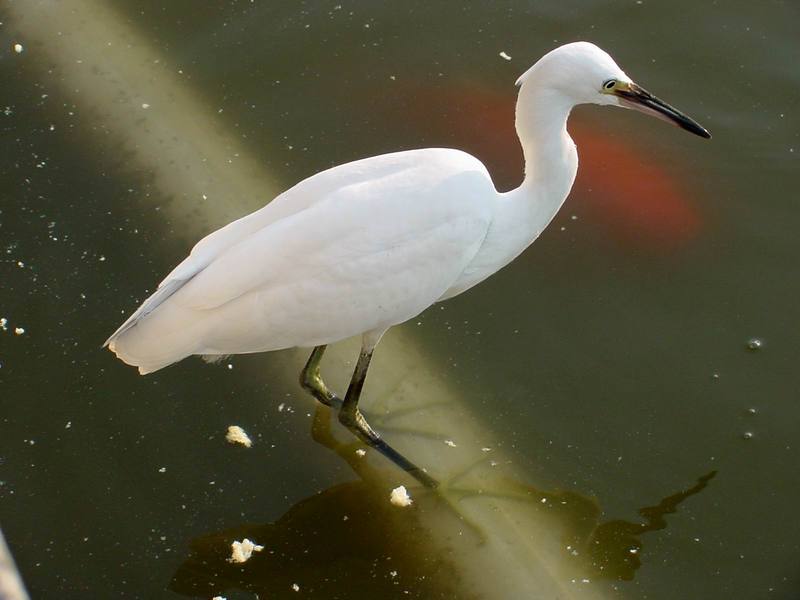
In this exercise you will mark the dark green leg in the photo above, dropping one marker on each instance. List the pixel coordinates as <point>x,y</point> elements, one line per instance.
<point>350,416</point>
<point>311,380</point>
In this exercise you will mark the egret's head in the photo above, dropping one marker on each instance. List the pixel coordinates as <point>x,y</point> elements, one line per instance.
<point>582,73</point>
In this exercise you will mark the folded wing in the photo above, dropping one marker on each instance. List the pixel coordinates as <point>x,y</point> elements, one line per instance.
<point>362,246</point>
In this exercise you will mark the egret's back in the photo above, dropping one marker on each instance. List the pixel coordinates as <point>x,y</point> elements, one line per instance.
<point>359,247</point>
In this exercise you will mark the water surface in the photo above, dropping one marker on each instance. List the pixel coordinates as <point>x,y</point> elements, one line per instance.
<point>611,357</point>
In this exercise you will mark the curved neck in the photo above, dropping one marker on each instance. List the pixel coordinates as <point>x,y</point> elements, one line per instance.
<point>541,123</point>
<point>551,163</point>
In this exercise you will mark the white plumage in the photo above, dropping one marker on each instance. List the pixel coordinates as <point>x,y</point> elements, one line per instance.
<point>366,245</point>
<point>359,247</point>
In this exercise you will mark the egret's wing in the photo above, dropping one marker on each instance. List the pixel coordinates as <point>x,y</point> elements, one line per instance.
<point>292,201</point>
<point>413,223</point>
<point>336,232</point>
<point>296,199</point>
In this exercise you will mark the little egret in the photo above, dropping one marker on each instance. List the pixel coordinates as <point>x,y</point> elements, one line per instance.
<point>363,246</point>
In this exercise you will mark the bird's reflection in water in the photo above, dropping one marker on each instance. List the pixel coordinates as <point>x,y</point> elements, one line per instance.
<point>350,542</point>
<point>610,550</point>
<point>345,542</point>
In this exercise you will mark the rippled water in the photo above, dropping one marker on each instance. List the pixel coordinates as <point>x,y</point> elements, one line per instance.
<point>614,360</point>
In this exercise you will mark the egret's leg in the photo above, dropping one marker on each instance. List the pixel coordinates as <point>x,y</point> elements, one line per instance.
<point>351,417</point>
<point>311,380</point>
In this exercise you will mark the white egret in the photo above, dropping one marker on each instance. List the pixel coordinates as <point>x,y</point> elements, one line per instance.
<point>363,246</point>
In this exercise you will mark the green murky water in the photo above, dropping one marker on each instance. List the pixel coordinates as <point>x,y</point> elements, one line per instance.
<point>611,357</point>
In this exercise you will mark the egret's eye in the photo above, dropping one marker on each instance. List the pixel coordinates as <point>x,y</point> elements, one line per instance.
<point>608,85</point>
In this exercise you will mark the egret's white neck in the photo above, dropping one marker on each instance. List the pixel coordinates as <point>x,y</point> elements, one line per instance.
<point>541,123</point>
<point>551,162</point>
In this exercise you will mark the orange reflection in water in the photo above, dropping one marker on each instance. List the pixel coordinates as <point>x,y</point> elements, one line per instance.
<point>621,185</point>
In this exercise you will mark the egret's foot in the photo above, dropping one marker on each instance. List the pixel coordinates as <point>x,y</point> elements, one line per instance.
<point>351,417</point>
<point>311,380</point>
<point>453,491</point>
<point>410,431</point>
<point>383,418</point>
<point>449,499</point>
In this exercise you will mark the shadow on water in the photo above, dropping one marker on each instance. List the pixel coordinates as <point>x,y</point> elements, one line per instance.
<point>349,541</point>
<point>343,542</point>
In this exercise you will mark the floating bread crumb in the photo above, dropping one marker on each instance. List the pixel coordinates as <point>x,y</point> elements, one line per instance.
<point>400,497</point>
<point>237,435</point>
<point>242,551</point>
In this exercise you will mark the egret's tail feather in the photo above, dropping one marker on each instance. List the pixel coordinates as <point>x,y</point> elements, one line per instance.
<point>160,338</point>
<point>165,290</point>
<point>146,362</point>
<point>148,365</point>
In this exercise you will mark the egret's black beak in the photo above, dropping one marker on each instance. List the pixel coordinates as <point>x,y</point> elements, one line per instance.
<point>638,98</point>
